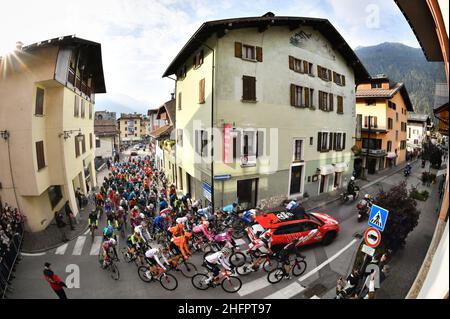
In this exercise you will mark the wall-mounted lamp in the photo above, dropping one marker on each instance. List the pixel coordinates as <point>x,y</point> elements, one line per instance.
<point>5,134</point>
<point>68,133</point>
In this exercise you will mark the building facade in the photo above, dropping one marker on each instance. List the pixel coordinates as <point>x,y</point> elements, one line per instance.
<point>130,127</point>
<point>382,116</point>
<point>417,130</point>
<point>279,94</point>
<point>47,101</point>
<point>106,135</point>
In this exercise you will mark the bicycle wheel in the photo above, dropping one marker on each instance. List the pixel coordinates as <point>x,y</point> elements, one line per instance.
<point>270,265</point>
<point>244,270</point>
<point>299,268</point>
<point>275,275</point>
<point>168,282</point>
<point>144,274</point>
<point>237,259</point>
<point>114,272</point>
<point>188,269</point>
<point>126,255</point>
<point>231,284</point>
<point>199,281</point>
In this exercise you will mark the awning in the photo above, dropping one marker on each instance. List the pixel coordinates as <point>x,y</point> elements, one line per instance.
<point>391,155</point>
<point>340,167</point>
<point>326,169</point>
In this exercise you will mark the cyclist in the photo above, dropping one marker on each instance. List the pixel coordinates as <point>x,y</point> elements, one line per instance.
<point>152,258</point>
<point>204,228</point>
<point>142,230</point>
<point>108,232</point>
<point>230,208</point>
<point>181,243</point>
<point>159,223</point>
<point>134,242</point>
<point>249,216</point>
<point>212,261</point>
<point>99,199</point>
<point>285,252</point>
<point>106,251</point>
<point>261,247</point>
<point>93,218</point>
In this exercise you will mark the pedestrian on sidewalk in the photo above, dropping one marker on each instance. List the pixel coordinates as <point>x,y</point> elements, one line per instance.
<point>61,224</point>
<point>55,282</point>
<point>69,215</point>
<point>79,198</point>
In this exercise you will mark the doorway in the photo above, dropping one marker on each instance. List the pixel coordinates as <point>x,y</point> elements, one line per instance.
<point>247,193</point>
<point>323,187</point>
<point>372,165</point>
<point>296,180</point>
<point>337,180</point>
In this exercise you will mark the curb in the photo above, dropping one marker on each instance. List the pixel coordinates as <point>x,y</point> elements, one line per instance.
<point>362,187</point>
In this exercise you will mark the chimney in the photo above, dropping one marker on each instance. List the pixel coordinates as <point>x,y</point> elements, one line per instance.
<point>173,96</point>
<point>19,45</point>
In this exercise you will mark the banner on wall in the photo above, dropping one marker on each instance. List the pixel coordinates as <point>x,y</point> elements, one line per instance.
<point>227,143</point>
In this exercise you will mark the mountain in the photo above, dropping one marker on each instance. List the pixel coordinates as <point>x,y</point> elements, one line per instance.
<point>402,63</point>
<point>120,103</point>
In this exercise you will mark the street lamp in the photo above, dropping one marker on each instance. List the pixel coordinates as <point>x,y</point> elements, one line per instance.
<point>68,133</point>
<point>5,134</point>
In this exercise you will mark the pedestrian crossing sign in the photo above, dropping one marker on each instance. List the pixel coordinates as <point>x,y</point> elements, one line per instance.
<point>378,217</point>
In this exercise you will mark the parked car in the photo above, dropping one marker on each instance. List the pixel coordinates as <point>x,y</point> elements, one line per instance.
<point>284,227</point>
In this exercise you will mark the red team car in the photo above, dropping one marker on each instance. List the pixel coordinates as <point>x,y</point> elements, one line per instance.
<point>312,228</point>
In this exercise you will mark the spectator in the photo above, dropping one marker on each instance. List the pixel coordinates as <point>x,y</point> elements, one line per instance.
<point>61,224</point>
<point>55,282</point>
<point>79,197</point>
<point>69,214</point>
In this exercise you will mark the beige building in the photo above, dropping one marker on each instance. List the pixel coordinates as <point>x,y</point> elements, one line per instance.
<point>130,127</point>
<point>280,94</point>
<point>47,101</point>
<point>106,135</point>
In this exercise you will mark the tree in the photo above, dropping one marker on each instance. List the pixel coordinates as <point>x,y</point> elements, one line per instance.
<point>403,216</point>
<point>433,154</point>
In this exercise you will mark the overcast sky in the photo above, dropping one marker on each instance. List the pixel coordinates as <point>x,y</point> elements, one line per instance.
<point>141,37</point>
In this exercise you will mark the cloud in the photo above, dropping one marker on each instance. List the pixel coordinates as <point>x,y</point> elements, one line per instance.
<point>141,37</point>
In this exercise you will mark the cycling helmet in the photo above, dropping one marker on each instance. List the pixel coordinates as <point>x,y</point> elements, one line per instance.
<point>110,227</point>
<point>112,241</point>
<point>135,207</point>
<point>206,223</point>
<point>352,178</point>
<point>367,196</point>
<point>226,252</point>
<point>136,230</point>
<point>141,215</point>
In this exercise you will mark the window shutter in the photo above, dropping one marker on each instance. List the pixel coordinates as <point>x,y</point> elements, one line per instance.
<point>319,71</point>
<point>365,121</point>
<point>306,97</point>
<point>319,141</point>
<point>330,108</point>
<point>39,101</point>
<point>253,88</point>
<point>343,142</point>
<point>329,75</point>
<point>40,154</point>
<point>335,148</point>
<point>291,63</point>
<point>201,94</point>
<point>90,140</point>
<point>238,49</point>
<point>320,100</point>
<point>334,77</point>
<point>77,147</point>
<point>305,67</point>
<point>343,80</point>
<point>340,107</point>
<point>245,88</point>
<point>331,140</point>
<point>259,54</point>
<point>292,94</point>
<point>179,101</point>
<point>375,125</point>
<point>260,143</point>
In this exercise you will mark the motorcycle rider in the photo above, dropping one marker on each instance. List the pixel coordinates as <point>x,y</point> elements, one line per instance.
<point>408,168</point>
<point>364,206</point>
<point>351,187</point>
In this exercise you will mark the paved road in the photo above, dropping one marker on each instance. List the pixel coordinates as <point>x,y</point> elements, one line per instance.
<point>325,264</point>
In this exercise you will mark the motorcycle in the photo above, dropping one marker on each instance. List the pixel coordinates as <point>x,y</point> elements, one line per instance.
<point>407,171</point>
<point>346,196</point>
<point>363,207</point>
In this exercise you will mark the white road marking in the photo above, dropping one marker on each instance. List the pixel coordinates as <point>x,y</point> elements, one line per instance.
<point>240,242</point>
<point>95,249</point>
<point>326,262</point>
<point>253,286</point>
<point>79,245</point>
<point>87,231</point>
<point>314,297</point>
<point>33,255</point>
<point>61,249</point>
<point>287,292</point>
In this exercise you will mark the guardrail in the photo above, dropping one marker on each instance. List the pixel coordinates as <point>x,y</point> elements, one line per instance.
<point>8,261</point>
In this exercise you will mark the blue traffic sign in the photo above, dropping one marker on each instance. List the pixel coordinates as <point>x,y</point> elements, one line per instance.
<point>378,217</point>
<point>222,177</point>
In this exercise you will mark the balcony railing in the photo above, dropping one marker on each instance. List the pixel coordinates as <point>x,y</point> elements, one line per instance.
<point>71,76</point>
<point>377,152</point>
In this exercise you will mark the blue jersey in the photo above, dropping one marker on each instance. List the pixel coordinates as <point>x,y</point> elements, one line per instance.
<point>159,223</point>
<point>228,208</point>
<point>247,217</point>
<point>163,204</point>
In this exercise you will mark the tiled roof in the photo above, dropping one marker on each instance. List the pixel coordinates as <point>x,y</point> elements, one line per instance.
<point>417,117</point>
<point>387,94</point>
<point>160,131</point>
<point>105,127</point>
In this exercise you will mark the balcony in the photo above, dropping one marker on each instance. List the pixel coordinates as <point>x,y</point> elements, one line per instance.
<point>248,161</point>
<point>374,152</point>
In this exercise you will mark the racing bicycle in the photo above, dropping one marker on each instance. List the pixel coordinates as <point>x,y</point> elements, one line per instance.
<point>298,267</point>
<point>167,281</point>
<point>229,283</point>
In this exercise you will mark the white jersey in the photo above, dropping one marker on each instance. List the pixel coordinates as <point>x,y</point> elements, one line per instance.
<point>217,258</point>
<point>153,253</point>
<point>182,220</point>
<point>143,230</point>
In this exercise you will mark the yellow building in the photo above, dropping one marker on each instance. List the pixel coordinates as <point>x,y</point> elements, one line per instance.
<point>382,115</point>
<point>47,148</point>
<point>130,127</point>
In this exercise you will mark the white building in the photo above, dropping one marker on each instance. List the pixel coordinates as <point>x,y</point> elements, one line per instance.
<point>416,130</point>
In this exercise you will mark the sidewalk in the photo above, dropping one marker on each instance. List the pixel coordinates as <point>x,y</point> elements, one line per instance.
<point>51,237</point>
<point>327,198</point>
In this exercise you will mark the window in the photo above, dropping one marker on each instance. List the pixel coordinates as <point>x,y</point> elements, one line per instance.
<point>83,144</point>
<point>311,141</point>
<point>409,132</point>
<point>392,105</point>
<point>373,121</point>
<point>389,146</point>
<point>198,60</point>
<point>97,143</point>
<point>396,135</point>
<point>322,142</point>
<point>396,117</point>
<point>324,73</point>
<point>40,154</point>
<point>90,141</point>
<point>323,101</point>
<point>248,52</point>
<point>180,137</point>
<point>376,85</point>
<point>82,109</point>
<point>181,74</point>
<point>373,144</point>
<point>55,195</point>
<point>298,150</point>
<point>39,110</point>
<point>331,105</point>
<point>125,122</point>
<point>402,145</point>
<point>340,105</point>
<point>390,123</point>
<point>77,147</point>
<point>201,142</point>
<point>249,88</point>
<point>301,96</point>
<point>179,100</point>
<point>339,141</point>
<point>90,111</point>
<point>339,79</point>
<point>300,66</point>
<point>201,91</point>
<point>76,106</point>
